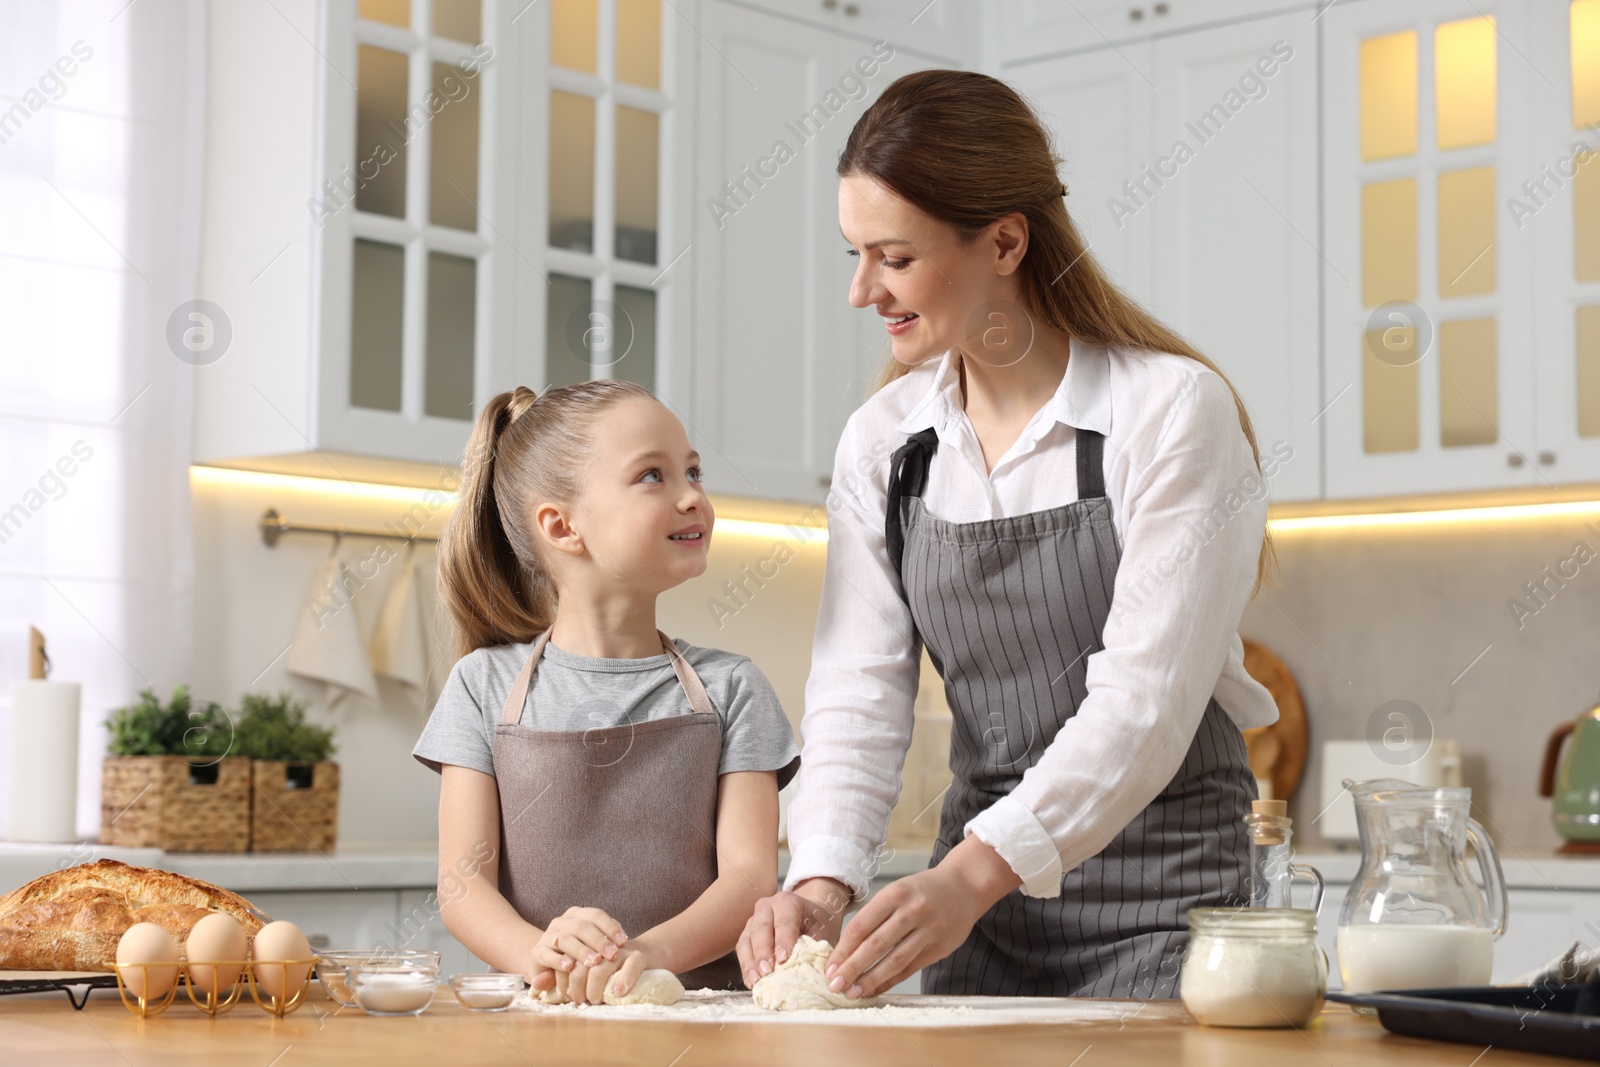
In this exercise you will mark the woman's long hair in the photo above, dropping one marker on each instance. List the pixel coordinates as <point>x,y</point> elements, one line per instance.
<point>524,448</point>
<point>965,149</point>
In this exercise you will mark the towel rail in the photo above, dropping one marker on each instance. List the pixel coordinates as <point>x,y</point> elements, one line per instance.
<point>274,526</point>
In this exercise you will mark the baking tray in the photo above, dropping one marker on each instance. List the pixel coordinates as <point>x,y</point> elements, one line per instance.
<point>1558,1020</point>
<point>12,982</point>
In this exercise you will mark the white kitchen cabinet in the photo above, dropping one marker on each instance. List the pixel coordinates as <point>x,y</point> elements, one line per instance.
<point>940,30</point>
<point>1555,207</point>
<point>355,241</point>
<point>1025,30</point>
<point>781,358</point>
<point>1429,290</point>
<point>1190,164</point>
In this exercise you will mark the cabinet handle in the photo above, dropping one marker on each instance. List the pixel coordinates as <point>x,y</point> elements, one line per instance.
<point>1162,9</point>
<point>1135,14</point>
<point>826,481</point>
<point>320,940</point>
<point>829,5</point>
<point>1514,459</point>
<point>1547,458</point>
<point>852,10</point>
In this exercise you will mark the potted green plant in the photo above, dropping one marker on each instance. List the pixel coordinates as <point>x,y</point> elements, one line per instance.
<point>294,798</point>
<point>171,780</point>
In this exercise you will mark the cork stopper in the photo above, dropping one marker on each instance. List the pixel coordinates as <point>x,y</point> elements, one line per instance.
<point>1269,821</point>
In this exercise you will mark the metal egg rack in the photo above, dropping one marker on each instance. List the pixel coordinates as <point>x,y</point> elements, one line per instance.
<point>214,1001</point>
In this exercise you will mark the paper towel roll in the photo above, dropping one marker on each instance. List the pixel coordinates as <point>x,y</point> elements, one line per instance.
<point>44,760</point>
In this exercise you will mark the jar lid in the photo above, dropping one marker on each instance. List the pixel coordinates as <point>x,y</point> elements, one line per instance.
<point>1253,922</point>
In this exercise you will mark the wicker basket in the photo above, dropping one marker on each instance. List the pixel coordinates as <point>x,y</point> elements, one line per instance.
<point>175,804</point>
<point>288,813</point>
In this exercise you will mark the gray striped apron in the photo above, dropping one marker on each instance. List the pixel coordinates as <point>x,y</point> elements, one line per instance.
<point>1010,610</point>
<point>620,818</point>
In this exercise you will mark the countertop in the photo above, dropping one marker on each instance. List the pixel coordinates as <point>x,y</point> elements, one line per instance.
<point>415,866</point>
<point>43,1028</point>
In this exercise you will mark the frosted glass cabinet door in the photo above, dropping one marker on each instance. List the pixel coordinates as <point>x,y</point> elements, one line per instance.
<point>412,222</point>
<point>1429,347</point>
<point>1559,213</point>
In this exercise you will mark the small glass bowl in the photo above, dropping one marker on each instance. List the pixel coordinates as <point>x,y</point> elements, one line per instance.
<point>492,991</point>
<point>388,988</point>
<point>331,965</point>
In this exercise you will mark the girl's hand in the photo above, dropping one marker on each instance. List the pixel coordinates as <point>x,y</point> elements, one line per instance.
<point>816,907</point>
<point>589,984</point>
<point>918,920</point>
<point>577,937</point>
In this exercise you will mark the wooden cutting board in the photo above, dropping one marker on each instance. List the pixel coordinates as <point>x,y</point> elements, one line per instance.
<point>1277,752</point>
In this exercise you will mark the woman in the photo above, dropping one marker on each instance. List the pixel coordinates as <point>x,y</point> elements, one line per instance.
<point>1071,520</point>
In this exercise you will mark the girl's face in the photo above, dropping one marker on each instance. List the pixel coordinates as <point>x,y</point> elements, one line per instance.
<point>911,264</point>
<point>643,516</point>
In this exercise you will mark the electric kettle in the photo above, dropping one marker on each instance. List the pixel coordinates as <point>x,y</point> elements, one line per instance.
<point>1575,784</point>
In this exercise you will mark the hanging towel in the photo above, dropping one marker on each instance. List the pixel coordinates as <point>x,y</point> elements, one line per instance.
<point>327,643</point>
<point>400,642</point>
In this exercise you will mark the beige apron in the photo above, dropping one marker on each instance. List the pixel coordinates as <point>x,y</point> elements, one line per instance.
<point>622,818</point>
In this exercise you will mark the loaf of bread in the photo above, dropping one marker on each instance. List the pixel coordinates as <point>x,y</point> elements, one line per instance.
<point>72,919</point>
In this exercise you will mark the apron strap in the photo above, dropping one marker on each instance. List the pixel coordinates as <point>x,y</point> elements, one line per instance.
<point>1091,478</point>
<point>698,700</point>
<point>908,476</point>
<point>519,688</point>
<point>696,691</point>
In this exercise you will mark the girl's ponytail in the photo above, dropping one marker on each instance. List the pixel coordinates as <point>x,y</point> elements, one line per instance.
<point>524,448</point>
<point>492,596</point>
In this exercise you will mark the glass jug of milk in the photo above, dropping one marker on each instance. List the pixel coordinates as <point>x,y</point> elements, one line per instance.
<point>1414,917</point>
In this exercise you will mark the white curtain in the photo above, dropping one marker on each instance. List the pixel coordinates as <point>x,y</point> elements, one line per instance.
<point>101,124</point>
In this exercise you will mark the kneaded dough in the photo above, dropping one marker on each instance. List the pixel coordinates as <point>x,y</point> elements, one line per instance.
<point>655,986</point>
<point>798,984</point>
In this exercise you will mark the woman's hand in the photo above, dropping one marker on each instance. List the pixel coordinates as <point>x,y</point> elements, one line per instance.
<point>579,937</point>
<point>918,920</point>
<point>815,907</point>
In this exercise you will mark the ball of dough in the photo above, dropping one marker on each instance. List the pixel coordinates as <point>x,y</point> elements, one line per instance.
<point>655,986</point>
<point>798,984</point>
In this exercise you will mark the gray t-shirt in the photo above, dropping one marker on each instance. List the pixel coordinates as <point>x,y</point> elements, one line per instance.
<point>571,692</point>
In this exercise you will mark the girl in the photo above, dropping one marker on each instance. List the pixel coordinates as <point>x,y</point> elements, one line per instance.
<point>609,797</point>
<point>1060,524</point>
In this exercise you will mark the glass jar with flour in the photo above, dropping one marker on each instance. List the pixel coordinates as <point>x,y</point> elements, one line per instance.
<point>1257,967</point>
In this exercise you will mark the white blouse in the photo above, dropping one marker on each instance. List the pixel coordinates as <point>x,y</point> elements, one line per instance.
<point>1189,510</point>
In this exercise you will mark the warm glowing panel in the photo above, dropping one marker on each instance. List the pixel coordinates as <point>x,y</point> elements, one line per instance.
<point>1464,82</point>
<point>1389,96</point>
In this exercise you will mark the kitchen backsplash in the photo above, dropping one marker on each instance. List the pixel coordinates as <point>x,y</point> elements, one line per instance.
<point>1424,614</point>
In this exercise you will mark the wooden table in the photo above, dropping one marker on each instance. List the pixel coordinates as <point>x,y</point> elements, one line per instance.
<point>43,1029</point>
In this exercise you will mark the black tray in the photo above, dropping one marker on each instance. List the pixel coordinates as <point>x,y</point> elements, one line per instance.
<point>1547,1019</point>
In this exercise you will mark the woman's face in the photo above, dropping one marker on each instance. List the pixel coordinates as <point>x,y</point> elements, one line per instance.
<point>911,264</point>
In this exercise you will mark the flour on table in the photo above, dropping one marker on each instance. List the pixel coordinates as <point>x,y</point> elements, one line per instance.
<point>898,1010</point>
<point>798,983</point>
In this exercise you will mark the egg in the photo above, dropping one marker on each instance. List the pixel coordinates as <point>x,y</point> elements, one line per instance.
<point>214,941</point>
<point>147,959</point>
<point>276,942</point>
